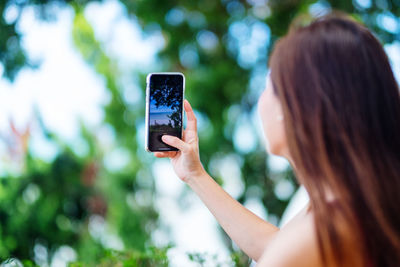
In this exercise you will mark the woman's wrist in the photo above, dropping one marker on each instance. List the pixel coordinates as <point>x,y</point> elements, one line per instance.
<point>197,177</point>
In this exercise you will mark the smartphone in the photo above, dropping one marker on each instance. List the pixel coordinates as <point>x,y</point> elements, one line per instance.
<point>164,108</point>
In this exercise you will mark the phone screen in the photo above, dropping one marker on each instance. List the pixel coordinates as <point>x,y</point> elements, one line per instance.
<point>165,109</point>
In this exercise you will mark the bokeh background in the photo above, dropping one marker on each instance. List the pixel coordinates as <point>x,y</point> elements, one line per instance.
<point>76,185</point>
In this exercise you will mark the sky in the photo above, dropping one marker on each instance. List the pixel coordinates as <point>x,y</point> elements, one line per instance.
<point>159,109</point>
<point>65,90</point>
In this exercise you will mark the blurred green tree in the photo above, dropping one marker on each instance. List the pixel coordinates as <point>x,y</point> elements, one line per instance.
<point>222,47</point>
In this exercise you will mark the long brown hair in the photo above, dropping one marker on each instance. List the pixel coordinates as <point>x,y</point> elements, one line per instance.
<point>341,105</point>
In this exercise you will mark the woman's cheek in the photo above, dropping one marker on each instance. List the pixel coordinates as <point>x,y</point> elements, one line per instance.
<point>265,116</point>
<point>272,122</point>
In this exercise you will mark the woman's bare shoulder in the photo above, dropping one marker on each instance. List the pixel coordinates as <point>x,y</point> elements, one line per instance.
<point>294,245</point>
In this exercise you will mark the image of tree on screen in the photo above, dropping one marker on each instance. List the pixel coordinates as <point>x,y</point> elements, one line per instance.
<point>166,104</point>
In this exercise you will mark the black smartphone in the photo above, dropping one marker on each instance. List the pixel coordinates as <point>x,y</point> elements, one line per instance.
<point>164,108</point>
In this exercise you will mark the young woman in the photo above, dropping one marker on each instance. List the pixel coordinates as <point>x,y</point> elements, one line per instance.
<point>331,107</point>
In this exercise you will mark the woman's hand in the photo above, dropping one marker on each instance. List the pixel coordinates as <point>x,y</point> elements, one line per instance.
<point>186,161</point>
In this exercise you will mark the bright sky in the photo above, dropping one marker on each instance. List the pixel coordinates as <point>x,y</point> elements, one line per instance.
<point>159,109</point>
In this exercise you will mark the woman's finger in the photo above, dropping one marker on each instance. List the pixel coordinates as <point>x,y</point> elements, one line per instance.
<point>175,142</point>
<point>191,118</point>
<point>169,154</point>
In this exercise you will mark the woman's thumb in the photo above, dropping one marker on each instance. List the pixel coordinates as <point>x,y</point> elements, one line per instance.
<point>174,141</point>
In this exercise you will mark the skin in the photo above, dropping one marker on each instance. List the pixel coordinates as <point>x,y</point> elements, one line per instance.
<point>270,112</point>
<point>293,245</point>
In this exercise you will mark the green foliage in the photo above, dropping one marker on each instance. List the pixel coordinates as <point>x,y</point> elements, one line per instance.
<point>131,258</point>
<point>49,199</point>
<point>12,56</point>
<point>238,259</point>
<point>52,204</point>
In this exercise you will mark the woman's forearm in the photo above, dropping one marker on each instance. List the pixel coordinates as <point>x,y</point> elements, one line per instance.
<point>247,230</point>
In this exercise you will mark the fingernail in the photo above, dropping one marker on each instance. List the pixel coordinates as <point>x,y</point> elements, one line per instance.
<point>165,137</point>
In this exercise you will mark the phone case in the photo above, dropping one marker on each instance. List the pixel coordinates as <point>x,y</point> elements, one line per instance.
<point>148,104</point>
